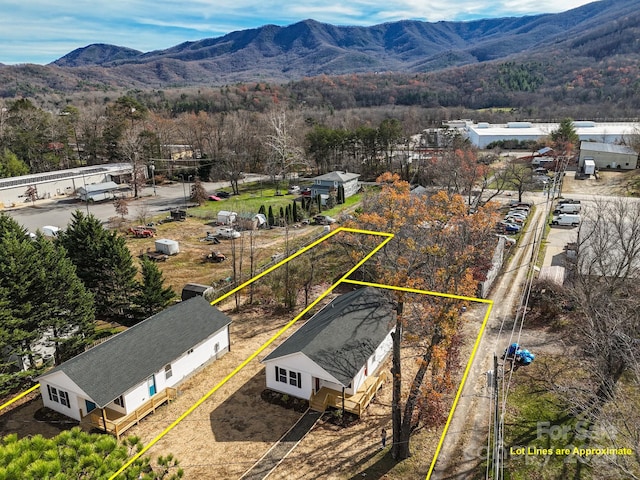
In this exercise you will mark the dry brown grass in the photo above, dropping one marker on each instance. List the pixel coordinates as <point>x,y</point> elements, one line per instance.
<point>188,266</point>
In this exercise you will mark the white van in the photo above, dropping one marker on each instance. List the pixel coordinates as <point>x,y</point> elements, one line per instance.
<point>567,208</point>
<point>566,219</point>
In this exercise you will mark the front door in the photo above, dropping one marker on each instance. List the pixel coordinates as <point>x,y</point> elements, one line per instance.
<point>317,384</point>
<point>151,383</point>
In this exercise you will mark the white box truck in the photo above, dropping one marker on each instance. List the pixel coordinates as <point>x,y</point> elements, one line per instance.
<point>566,219</point>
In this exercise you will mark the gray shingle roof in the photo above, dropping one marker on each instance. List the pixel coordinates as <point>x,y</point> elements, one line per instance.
<point>343,335</point>
<point>108,370</point>
<point>337,176</point>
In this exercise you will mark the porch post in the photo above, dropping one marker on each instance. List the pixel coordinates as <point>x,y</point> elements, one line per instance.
<point>104,421</point>
<point>343,405</point>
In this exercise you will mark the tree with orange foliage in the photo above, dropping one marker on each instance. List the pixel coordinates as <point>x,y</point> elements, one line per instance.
<point>438,246</point>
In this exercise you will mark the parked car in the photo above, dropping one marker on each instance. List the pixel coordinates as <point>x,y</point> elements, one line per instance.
<point>214,198</point>
<point>222,194</point>
<point>517,214</point>
<point>512,227</point>
<point>517,220</point>
<point>323,220</point>
<point>306,192</point>
<point>568,200</point>
<point>293,189</point>
<point>227,232</point>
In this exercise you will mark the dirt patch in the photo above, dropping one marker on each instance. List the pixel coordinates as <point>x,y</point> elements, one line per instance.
<point>608,183</point>
<point>189,265</point>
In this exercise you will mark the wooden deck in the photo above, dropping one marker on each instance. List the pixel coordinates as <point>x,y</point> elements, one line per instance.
<point>116,423</point>
<point>356,404</point>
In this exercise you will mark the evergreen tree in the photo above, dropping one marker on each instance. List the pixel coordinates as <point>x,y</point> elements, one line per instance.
<point>341,198</point>
<point>294,211</point>
<point>67,307</point>
<point>270,217</point>
<point>152,296</point>
<point>41,299</point>
<point>103,263</point>
<point>262,210</point>
<point>77,454</point>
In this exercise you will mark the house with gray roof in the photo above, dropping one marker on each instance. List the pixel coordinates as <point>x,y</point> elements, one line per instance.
<point>323,185</point>
<point>120,376</point>
<point>338,351</point>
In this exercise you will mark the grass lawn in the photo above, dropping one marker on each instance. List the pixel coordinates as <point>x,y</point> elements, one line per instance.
<point>254,195</point>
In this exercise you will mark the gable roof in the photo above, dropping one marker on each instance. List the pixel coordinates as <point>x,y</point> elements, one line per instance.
<point>344,334</point>
<point>607,148</point>
<point>337,176</point>
<point>108,370</point>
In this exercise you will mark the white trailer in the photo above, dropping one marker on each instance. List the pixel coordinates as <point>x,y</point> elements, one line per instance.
<point>168,247</point>
<point>589,166</point>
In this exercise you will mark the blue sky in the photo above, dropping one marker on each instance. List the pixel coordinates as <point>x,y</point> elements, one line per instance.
<point>40,31</point>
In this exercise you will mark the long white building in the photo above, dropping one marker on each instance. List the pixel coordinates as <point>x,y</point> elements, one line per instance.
<point>13,190</point>
<point>482,134</point>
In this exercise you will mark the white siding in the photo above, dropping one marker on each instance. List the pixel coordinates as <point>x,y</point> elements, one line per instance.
<point>310,371</point>
<point>136,396</point>
<point>180,369</point>
<point>76,396</point>
<point>297,363</point>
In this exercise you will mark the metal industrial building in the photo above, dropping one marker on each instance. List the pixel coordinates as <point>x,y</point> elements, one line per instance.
<point>482,134</point>
<point>60,183</point>
<point>607,155</point>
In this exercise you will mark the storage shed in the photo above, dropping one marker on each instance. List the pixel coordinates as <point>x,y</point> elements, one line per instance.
<point>191,290</point>
<point>226,217</point>
<point>168,247</point>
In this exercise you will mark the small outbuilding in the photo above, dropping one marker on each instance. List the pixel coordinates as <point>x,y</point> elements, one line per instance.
<point>607,156</point>
<point>191,290</point>
<point>226,217</point>
<point>125,378</point>
<point>168,247</point>
<point>98,191</point>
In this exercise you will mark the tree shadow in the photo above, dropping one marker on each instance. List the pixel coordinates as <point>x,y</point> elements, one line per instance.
<point>245,416</point>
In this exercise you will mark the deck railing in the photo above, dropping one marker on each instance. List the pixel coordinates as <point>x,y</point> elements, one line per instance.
<point>119,425</point>
<point>356,404</point>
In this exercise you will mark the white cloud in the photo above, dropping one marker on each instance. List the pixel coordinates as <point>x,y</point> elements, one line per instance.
<point>39,31</point>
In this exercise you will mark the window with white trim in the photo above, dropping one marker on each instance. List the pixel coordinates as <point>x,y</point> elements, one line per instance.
<point>290,377</point>
<point>58,396</point>
<point>168,372</point>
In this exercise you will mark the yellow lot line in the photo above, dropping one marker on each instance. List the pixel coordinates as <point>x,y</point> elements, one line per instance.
<point>469,362</point>
<point>388,236</point>
<point>18,397</point>
<point>343,279</point>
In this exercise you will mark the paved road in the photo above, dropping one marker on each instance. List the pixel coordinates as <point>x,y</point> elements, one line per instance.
<point>58,212</point>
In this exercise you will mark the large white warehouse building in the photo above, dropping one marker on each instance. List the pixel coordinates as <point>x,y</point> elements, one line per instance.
<point>482,134</point>
<point>60,183</point>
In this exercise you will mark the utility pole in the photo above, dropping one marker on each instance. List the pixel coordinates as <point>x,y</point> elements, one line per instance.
<point>497,434</point>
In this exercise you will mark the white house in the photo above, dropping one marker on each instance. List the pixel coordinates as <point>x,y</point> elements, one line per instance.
<point>328,182</point>
<point>126,372</point>
<point>340,349</point>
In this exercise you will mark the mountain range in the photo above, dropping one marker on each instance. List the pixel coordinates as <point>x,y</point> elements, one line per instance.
<point>310,48</point>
